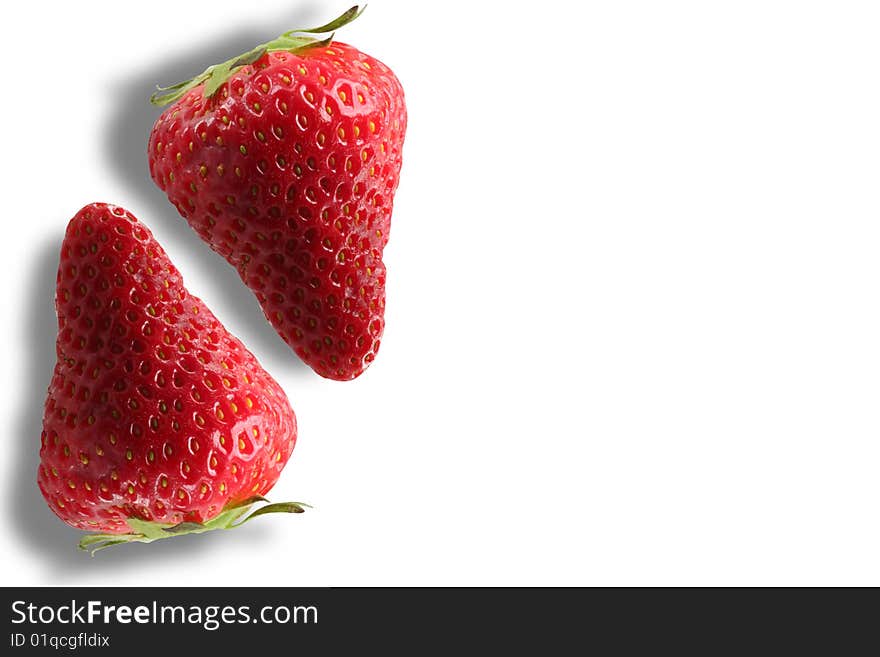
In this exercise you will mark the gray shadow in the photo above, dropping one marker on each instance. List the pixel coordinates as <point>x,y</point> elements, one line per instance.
<point>38,526</point>
<point>135,556</point>
<point>125,146</point>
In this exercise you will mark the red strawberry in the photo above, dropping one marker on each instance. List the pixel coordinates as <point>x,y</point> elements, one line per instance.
<point>157,421</point>
<point>285,161</point>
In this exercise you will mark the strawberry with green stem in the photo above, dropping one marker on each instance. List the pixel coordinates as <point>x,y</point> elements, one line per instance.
<point>158,422</point>
<point>285,160</point>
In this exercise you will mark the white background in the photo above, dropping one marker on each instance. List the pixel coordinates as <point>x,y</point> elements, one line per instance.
<point>632,328</point>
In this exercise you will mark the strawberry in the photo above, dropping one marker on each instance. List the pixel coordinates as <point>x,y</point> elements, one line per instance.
<point>285,160</point>
<point>158,421</point>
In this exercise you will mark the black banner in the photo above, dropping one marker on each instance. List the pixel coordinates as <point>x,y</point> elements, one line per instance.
<point>307,621</point>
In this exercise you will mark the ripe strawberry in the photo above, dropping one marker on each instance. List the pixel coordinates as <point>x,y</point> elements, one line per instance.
<point>285,161</point>
<point>157,421</point>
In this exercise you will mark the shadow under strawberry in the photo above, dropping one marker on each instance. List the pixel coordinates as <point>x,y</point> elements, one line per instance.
<point>37,526</point>
<point>125,149</point>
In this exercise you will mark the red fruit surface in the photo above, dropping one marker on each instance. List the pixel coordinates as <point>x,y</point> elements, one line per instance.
<point>289,172</point>
<point>154,411</point>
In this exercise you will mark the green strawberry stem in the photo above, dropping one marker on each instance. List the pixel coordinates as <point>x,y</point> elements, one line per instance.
<point>291,41</point>
<point>233,515</point>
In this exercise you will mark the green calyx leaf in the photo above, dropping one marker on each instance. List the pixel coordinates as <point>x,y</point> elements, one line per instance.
<point>214,76</point>
<point>234,515</point>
